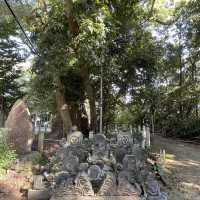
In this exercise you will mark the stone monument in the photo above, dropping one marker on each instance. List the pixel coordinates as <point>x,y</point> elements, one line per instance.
<point>75,137</point>
<point>18,126</point>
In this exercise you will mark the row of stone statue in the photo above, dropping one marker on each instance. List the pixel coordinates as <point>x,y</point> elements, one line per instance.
<point>104,167</point>
<point>114,166</point>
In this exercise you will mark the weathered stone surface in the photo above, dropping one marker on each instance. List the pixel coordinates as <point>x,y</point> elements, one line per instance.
<point>125,188</point>
<point>65,190</point>
<point>75,137</point>
<point>83,183</point>
<point>61,177</point>
<point>100,148</point>
<point>104,168</point>
<point>71,164</point>
<point>96,198</point>
<point>95,173</point>
<point>38,183</point>
<point>129,162</point>
<point>19,128</point>
<point>108,187</point>
<point>125,139</point>
<point>153,189</point>
<point>43,194</point>
<point>83,167</point>
<point>73,150</point>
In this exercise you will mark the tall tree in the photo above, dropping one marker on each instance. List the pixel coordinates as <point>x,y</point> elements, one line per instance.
<point>10,56</point>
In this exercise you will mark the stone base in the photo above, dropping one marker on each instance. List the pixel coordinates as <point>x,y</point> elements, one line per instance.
<point>96,198</point>
<point>39,194</point>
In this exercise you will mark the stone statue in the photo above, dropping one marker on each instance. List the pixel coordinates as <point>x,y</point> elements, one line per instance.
<point>71,164</point>
<point>153,189</point>
<point>100,149</point>
<point>125,188</point>
<point>83,183</point>
<point>105,168</point>
<point>108,187</point>
<point>95,173</point>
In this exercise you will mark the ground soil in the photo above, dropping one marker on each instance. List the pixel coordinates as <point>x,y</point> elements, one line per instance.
<point>10,186</point>
<point>181,168</point>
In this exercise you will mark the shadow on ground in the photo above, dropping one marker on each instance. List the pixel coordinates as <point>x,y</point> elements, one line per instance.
<point>182,170</point>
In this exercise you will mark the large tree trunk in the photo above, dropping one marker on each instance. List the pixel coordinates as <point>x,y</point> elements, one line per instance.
<point>74,29</point>
<point>90,95</point>
<point>75,114</point>
<point>63,109</point>
<point>57,128</point>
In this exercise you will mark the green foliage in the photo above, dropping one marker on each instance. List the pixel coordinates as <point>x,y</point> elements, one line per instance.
<point>7,156</point>
<point>158,169</point>
<point>184,128</point>
<point>74,87</point>
<point>157,73</point>
<point>9,58</point>
<point>36,158</point>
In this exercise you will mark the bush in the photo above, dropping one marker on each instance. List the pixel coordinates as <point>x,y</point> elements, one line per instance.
<point>7,156</point>
<point>183,128</point>
<point>189,128</point>
<point>35,157</point>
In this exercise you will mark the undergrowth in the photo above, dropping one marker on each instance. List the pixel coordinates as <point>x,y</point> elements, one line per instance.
<point>7,155</point>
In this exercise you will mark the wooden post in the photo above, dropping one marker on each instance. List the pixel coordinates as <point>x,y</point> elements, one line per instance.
<point>41,142</point>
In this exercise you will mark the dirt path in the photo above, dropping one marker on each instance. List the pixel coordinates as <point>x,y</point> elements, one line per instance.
<point>182,168</point>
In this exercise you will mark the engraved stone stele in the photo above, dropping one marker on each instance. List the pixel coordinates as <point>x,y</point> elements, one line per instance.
<point>124,138</point>
<point>75,137</point>
<point>18,126</point>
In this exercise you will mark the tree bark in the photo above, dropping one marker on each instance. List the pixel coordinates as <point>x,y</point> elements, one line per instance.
<point>63,109</point>
<point>57,127</point>
<point>74,29</point>
<point>90,94</point>
<point>75,114</point>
